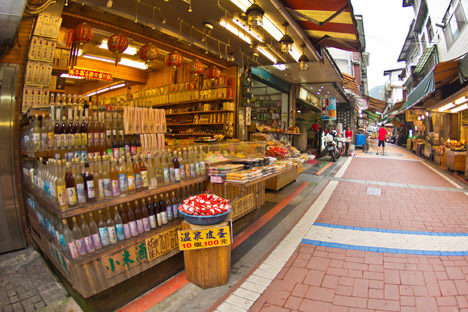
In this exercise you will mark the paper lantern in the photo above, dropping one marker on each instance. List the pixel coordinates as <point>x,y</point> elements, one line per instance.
<point>148,53</point>
<point>195,67</point>
<point>174,60</point>
<point>82,33</point>
<point>117,44</point>
<point>213,72</point>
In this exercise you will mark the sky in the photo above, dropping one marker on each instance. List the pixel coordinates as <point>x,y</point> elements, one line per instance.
<point>386,24</point>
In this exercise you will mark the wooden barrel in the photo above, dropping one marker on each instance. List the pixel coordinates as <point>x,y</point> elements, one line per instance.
<point>209,267</point>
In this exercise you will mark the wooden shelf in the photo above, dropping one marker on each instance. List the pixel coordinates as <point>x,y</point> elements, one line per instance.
<point>61,69</point>
<point>195,124</point>
<point>194,134</point>
<point>201,112</point>
<point>56,91</point>
<point>192,101</point>
<point>51,202</point>
<point>37,154</point>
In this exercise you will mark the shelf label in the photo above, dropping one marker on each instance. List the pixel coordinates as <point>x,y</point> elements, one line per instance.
<point>199,239</point>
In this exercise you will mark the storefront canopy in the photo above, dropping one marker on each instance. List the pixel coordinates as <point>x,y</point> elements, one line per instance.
<point>463,69</point>
<point>349,82</point>
<point>395,108</point>
<point>328,23</point>
<point>376,105</point>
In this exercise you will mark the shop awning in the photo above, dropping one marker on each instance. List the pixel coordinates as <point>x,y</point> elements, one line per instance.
<point>425,87</point>
<point>349,82</point>
<point>463,69</point>
<point>376,105</point>
<point>446,72</point>
<point>396,107</point>
<point>328,23</point>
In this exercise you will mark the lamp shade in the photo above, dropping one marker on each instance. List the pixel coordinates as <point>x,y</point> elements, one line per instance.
<point>303,62</point>
<point>195,67</point>
<point>148,53</point>
<point>82,33</point>
<point>254,14</point>
<point>117,43</point>
<point>174,59</point>
<point>286,43</point>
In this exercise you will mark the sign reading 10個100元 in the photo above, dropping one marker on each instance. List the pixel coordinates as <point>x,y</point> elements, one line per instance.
<point>198,239</point>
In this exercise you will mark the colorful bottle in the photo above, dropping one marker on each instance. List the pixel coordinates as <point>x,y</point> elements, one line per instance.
<point>152,214</point>
<point>139,218</point>
<point>111,228</point>
<point>94,232</point>
<point>71,189</point>
<point>86,233</point>
<point>103,231</point>
<point>131,221</point>
<point>119,227</point>
<point>89,184</point>
<point>69,239</point>
<point>115,182</point>
<point>126,228</point>
<point>77,236</point>
<point>145,215</point>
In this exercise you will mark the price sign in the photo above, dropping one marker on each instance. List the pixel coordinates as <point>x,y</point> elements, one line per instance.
<point>199,239</point>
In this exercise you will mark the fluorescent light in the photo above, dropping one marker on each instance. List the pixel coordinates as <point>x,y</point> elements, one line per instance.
<point>91,94</point>
<point>459,108</point>
<point>268,55</point>
<point>71,77</point>
<point>123,61</point>
<point>295,53</point>
<point>131,63</point>
<point>102,90</point>
<point>272,29</point>
<point>120,85</point>
<point>250,31</point>
<point>242,4</point>
<point>280,66</point>
<point>446,107</point>
<point>129,50</point>
<point>460,100</point>
<point>235,31</point>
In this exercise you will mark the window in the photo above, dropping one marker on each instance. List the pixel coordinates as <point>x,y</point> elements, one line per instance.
<point>454,21</point>
<point>430,31</point>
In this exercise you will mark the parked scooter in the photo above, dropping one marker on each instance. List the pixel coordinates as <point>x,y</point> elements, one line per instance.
<point>331,147</point>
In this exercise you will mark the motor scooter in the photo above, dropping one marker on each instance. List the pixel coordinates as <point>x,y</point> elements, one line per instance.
<point>331,147</point>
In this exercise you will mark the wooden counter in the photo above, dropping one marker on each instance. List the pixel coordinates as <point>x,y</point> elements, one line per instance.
<point>456,160</point>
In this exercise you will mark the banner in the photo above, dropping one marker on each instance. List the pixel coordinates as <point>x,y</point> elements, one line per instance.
<point>198,239</point>
<point>90,74</point>
<point>411,115</point>
<point>329,108</point>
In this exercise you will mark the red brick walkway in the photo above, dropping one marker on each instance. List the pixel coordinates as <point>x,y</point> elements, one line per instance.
<point>324,279</point>
<point>397,208</point>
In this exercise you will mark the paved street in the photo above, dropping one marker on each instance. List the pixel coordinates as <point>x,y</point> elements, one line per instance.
<point>388,233</point>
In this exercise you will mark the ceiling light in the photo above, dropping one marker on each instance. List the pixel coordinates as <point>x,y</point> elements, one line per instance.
<point>459,108</point>
<point>272,29</point>
<point>250,31</point>
<point>71,77</point>
<point>123,61</point>
<point>242,4</point>
<point>120,85</point>
<point>254,15</point>
<point>128,50</point>
<point>303,60</point>
<point>446,107</point>
<point>235,31</point>
<point>97,58</point>
<point>460,100</point>
<point>280,66</point>
<point>286,41</point>
<point>268,55</point>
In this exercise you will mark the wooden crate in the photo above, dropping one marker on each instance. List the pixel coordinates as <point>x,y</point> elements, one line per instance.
<point>456,160</point>
<point>283,179</point>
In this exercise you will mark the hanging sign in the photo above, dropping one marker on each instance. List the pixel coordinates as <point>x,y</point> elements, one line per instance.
<point>329,108</point>
<point>199,239</point>
<point>90,74</point>
<point>411,115</point>
<point>248,116</point>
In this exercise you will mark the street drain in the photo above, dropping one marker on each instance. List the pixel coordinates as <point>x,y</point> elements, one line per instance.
<point>374,191</point>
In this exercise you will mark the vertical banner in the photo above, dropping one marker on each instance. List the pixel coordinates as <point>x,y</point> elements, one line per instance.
<point>329,108</point>
<point>324,108</point>
<point>248,116</point>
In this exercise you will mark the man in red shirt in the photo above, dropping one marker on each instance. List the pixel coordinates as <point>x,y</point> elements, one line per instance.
<point>382,134</point>
<point>348,136</point>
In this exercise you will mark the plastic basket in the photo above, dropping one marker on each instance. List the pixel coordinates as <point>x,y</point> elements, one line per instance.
<point>204,220</point>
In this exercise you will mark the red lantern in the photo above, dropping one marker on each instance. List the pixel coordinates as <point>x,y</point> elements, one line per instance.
<point>82,33</point>
<point>174,60</point>
<point>148,53</point>
<point>213,72</point>
<point>195,67</point>
<point>117,44</point>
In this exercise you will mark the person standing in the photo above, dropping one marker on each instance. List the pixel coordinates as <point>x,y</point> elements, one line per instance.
<point>382,133</point>
<point>349,137</point>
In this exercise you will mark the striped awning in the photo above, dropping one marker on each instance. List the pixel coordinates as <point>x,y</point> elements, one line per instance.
<point>329,23</point>
<point>349,82</point>
<point>376,105</point>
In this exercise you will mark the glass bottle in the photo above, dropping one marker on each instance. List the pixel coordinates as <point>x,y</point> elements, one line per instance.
<point>165,169</point>
<point>139,218</point>
<point>103,231</point>
<point>158,170</point>
<point>144,173</point>
<point>126,228</point>
<point>138,145</point>
<point>157,211</point>
<point>192,163</point>
<point>61,188</point>
<point>171,167</point>
<point>133,147</point>
<point>84,132</point>
<point>115,147</point>
<point>187,163</point>
<point>44,133</point>
<point>98,182</point>
<point>118,225</point>
<point>69,239</point>
<point>201,157</point>
<point>90,138</point>
<point>123,182</point>
<point>145,216</point>
<point>181,166</point>
<point>152,179</point>
<point>197,161</point>
<point>176,165</point>
<point>36,134</point>
<point>77,236</point>
<point>170,213</point>
<point>94,232</point>
<point>131,221</point>
<point>137,173</point>
<point>87,237</point>
<point>130,175</point>
<point>115,183</point>
<point>175,205</point>
<point>89,185</point>
<point>111,228</point>
<point>79,182</point>
<point>152,215</point>
<point>121,146</point>
<point>50,135</point>
<point>71,189</point>
<point>106,179</point>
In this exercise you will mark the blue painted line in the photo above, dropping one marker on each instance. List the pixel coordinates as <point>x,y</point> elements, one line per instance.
<point>357,228</point>
<point>383,249</point>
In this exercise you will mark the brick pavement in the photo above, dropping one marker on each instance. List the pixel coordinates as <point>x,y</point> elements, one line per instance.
<point>397,208</point>
<point>26,283</point>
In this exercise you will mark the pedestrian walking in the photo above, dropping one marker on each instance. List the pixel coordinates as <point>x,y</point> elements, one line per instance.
<point>382,133</point>
<point>349,137</point>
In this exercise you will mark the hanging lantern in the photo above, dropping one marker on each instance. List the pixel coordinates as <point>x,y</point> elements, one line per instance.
<point>148,53</point>
<point>303,60</point>
<point>254,15</point>
<point>286,41</point>
<point>195,68</point>
<point>82,33</point>
<point>117,44</point>
<point>174,60</point>
<point>213,72</point>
